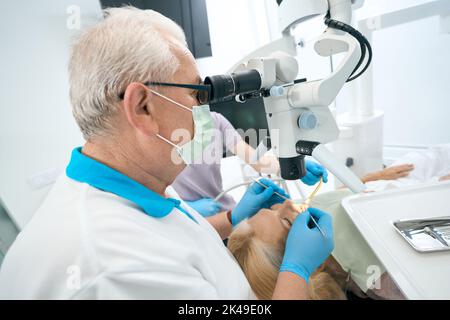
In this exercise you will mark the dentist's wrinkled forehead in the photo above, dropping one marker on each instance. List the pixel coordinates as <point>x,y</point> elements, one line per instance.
<point>187,70</point>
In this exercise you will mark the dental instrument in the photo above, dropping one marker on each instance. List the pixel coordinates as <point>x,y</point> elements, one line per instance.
<point>301,208</point>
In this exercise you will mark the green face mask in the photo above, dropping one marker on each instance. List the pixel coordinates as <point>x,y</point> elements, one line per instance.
<point>192,152</point>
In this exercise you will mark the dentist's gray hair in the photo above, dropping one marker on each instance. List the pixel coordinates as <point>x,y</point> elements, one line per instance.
<point>128,45</point>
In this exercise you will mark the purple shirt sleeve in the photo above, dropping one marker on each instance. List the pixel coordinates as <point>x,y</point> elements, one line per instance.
<point>229,134</point>
<point>204,180</point>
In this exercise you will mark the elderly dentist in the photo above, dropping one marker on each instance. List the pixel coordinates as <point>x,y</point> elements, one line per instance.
<point>108,228</point>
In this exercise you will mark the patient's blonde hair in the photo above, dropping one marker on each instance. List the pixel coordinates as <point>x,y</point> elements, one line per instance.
<point>260,263</point>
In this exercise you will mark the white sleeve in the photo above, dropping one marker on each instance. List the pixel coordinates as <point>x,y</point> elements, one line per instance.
<point>151,284</point>
<point>434,162</point>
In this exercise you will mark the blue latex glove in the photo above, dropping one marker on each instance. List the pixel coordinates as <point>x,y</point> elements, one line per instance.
<point>256,198</point>
<point>306,248</point>
<point>313,173</point>
<point>206,207</point>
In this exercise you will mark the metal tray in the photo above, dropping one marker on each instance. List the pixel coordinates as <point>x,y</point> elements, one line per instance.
<point>425,235</point>
<point>418,275</point>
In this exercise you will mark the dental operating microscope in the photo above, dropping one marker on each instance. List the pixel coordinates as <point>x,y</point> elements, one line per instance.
<point>297,110</point>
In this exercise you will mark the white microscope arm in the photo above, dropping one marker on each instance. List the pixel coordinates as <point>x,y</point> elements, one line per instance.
<point>323,92</point>
<point>311,99</point>
<point>299,119</point>
<point>320,94</point>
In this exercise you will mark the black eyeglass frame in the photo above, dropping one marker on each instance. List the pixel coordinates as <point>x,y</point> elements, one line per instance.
<point>200,87</point>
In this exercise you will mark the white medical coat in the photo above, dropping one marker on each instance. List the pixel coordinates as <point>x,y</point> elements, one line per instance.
<point>84,243</point>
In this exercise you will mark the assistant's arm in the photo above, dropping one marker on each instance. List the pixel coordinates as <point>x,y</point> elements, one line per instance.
<point>267,164</point>
<point>221,223</point>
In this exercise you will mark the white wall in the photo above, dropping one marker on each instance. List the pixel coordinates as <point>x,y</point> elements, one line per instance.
<point>237,27</point>
<point>412,83</point>
<point>411,77</point>
<point>37,131</point>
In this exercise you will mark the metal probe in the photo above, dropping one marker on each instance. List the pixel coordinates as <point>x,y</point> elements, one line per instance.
<point>286,198</point>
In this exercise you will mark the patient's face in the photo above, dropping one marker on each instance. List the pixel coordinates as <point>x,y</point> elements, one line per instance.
<point>272,225</point>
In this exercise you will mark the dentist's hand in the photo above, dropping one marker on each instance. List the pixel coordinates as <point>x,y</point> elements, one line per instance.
<point>306,248</point>
<point>313,173</point>
<point>206,207</point>
<point>256,198</point>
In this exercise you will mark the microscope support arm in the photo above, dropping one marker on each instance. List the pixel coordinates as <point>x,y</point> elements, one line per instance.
<point>323,92</point>
<point>336,167</point>
<point>297,112</point>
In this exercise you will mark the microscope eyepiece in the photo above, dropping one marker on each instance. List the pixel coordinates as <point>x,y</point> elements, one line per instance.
<point>226,87</point>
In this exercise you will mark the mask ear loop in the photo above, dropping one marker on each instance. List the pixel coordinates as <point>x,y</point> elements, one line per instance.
<point>171,143</point>
<point>178,104</point>
<point>168,141</point>
<point>170,100</point>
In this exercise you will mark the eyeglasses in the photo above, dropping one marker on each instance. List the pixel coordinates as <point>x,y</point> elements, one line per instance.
<point>203,90</point>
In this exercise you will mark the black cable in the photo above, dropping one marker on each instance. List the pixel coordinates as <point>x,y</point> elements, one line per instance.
<point>361,59</point>
<point>359,37</point>
<point>363,42</point>
<point>353,32</point>
<point>369,61</point>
